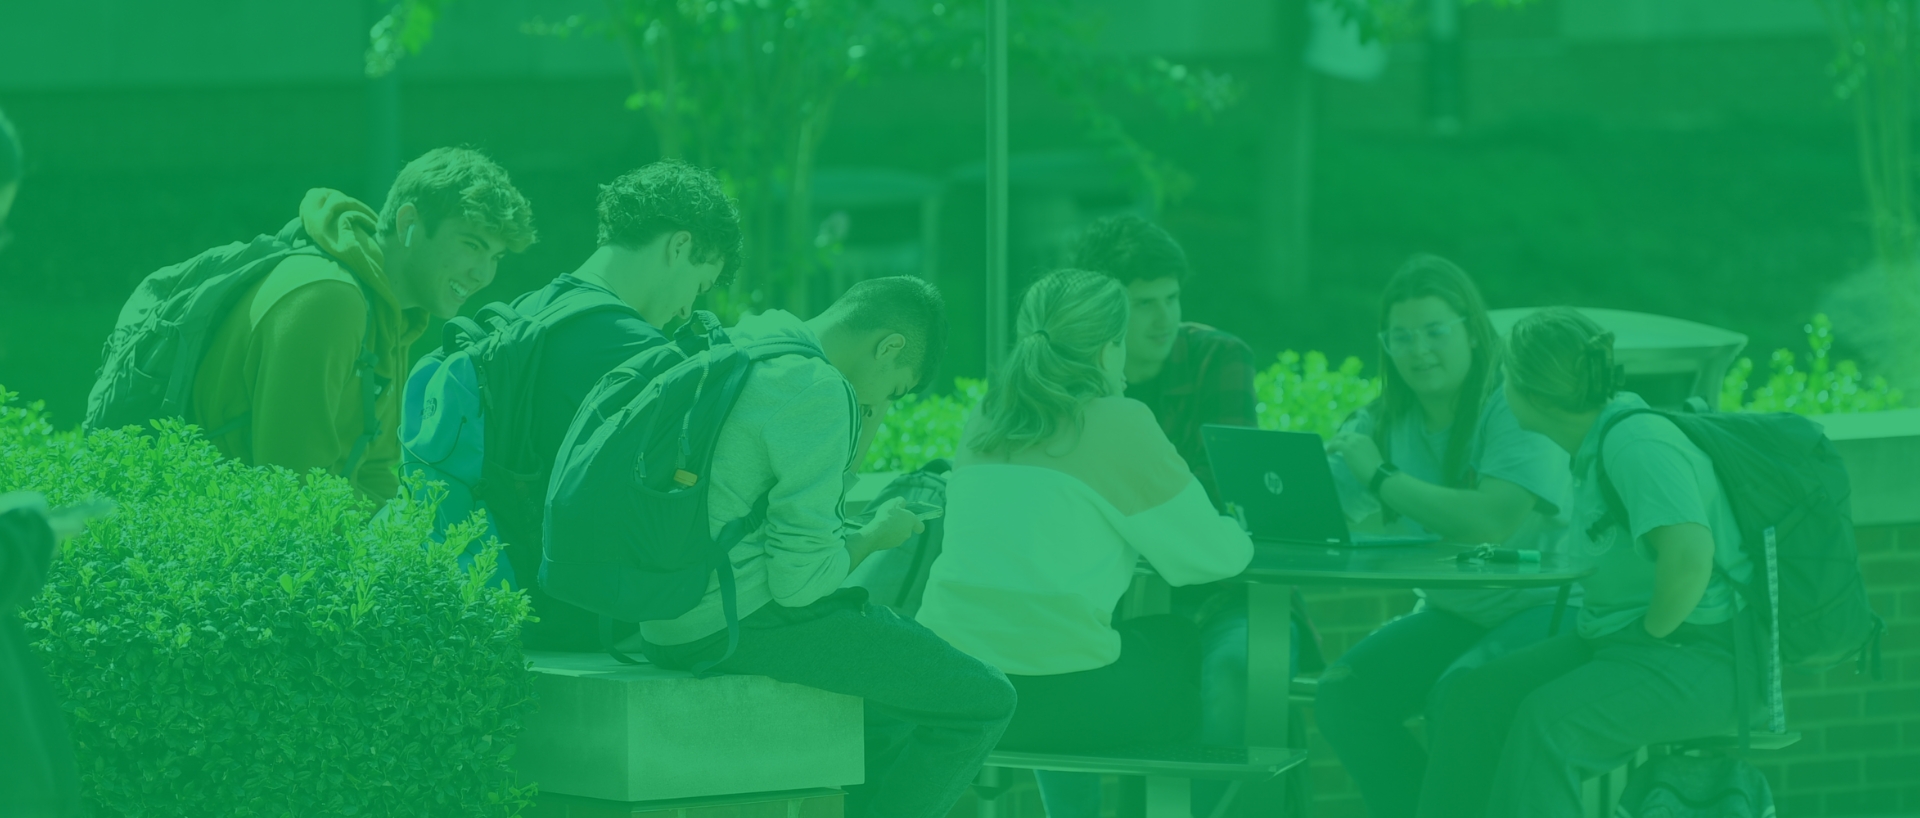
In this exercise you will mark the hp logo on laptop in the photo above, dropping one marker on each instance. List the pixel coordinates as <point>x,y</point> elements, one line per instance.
<point>1274,484</point>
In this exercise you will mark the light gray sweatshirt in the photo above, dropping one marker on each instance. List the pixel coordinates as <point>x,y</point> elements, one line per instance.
<point>790,437</point>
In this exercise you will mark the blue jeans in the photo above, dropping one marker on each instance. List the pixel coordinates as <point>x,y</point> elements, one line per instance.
<point>1396,673</point>
<point>1223,719</point>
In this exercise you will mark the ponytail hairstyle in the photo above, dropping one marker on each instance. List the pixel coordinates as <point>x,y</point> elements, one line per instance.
<point>1428,276</point>
<point>1562,360</point>
<point>1066,319</point>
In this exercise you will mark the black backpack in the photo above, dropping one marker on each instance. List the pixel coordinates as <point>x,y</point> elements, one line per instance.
<point>467,418</point>
<point>626,533</point>
<point>897,577</point>
<point>1791,498</point>
<point>148,367</point>
<point>1679,786</point>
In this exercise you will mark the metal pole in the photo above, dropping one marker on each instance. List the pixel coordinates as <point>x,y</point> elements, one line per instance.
<point>998,332</point>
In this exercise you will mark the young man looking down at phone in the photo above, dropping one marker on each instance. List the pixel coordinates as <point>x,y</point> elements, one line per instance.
<point>933,713</point>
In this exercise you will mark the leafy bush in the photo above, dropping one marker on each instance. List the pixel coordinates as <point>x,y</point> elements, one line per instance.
<point>921,428</point>
<point>237,642</point>
<point>1298,393</point>
<point>1824,387</point>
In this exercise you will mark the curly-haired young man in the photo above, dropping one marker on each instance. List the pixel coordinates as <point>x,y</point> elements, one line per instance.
<point>667,234</point>
<point>281,382</point>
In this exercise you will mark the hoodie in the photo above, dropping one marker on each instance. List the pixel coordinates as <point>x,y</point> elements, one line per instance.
<point>287,352</point>
<point>790,437</point>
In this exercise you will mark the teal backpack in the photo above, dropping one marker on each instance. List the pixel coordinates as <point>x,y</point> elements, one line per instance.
<point>467,415</point>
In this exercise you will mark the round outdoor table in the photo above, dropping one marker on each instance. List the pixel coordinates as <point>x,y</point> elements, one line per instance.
<point>1277,566</point>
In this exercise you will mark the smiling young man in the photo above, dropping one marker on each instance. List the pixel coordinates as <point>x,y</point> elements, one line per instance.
<point>667,233</point>
<point>281,383</point>
<point>1189,374</point>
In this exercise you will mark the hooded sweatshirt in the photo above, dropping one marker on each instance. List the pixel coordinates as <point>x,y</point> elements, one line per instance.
<point>287,354</point>
<point>790,437</point>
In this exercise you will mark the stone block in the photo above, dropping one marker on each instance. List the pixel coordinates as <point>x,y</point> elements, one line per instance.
<point>627,733</point>
<point>1880,449</point>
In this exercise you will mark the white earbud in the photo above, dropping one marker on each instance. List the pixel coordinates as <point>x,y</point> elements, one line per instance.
<point>410,234</point>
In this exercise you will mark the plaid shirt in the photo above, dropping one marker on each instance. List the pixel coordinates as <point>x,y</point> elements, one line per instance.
<point>1208,378</point>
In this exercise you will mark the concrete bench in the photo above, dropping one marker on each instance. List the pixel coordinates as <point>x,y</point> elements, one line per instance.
<point>629,733</point>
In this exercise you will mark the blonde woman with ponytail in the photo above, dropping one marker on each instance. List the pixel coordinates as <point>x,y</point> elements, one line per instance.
<point>1652,658</point>
<point>1060,487</point>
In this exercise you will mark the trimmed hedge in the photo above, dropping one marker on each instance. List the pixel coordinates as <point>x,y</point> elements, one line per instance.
<point>238,641</point>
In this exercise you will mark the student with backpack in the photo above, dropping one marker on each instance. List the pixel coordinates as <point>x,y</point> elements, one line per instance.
<point>736,458</point>
<point>286,350</point>
<point>1440,452</point>
<point>1657,654</point>
<point>486,413</point>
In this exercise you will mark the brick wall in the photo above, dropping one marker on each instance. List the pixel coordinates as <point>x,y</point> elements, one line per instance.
<point>1860,751</point>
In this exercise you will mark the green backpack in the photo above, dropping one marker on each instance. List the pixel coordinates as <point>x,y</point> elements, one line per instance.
<point>148,367</point>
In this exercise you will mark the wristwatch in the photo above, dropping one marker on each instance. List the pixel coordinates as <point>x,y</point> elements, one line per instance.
<point>1380,476</point>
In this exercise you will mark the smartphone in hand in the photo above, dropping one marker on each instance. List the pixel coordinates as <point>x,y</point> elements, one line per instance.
<point>925,511</point>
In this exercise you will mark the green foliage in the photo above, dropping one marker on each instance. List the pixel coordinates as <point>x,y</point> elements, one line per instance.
<point>1298,393</point>
<point>238,641</point>
<point>1823,387</point>
<point>921,428</point>
<point>749,87</point>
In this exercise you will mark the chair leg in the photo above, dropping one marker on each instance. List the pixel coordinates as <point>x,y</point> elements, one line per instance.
<point>988,786</point>
<point>1225,806</point>
<point>1169,797</point>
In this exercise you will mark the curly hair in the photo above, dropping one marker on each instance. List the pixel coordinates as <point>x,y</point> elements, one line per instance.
<point>444,183</point>
<point>670,196</point>
<point>1130,249</point>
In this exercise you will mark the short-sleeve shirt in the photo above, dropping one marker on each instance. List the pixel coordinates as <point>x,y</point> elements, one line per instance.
<point>1663,479</point>
<point>1500,450</point>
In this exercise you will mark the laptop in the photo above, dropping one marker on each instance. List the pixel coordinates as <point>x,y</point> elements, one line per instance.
<point>1280,486</point>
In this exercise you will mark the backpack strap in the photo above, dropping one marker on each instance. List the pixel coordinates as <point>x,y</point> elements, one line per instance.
<point>364,364</point>
<point>1617,514</point>
<point>730,536</point>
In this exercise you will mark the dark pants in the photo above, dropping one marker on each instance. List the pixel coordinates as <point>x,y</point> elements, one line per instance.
<point>38,778</point>
<point>1366,697</point>
<point>1515,738</point>
<point>932,713</point>
<point>1150,695</point>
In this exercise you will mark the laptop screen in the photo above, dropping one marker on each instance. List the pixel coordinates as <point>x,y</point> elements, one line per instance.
<point>1279,481</point>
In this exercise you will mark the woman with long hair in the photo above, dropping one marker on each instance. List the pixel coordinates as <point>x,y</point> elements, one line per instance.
<point>1440,452</point>
<point>1060,487</point>
<point>1652,658</point>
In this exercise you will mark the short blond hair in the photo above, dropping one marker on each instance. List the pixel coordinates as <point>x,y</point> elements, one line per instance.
<point>444,183</point>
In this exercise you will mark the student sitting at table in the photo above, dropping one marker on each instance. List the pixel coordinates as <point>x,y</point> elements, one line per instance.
<point>1653,657</point>
<point>1059,488</point>
<point>1439,452</point>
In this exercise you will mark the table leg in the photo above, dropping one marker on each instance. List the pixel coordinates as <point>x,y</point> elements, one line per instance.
<point>1559,609</point>
<point>1269,663</point>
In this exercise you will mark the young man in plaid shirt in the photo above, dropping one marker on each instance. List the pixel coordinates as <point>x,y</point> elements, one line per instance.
<point>1189,374</point>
